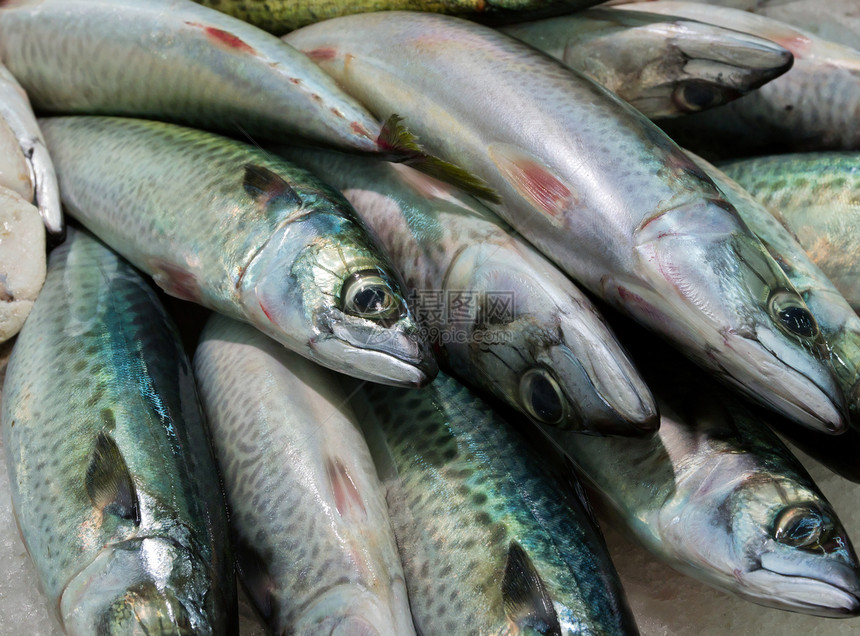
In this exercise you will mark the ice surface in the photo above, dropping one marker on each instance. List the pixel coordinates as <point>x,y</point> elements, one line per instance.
<point>665,603</point>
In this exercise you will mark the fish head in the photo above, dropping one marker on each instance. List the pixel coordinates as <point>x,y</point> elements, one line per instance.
<point>322,276</point>
<point>539,344</point>
<point>713,288</point>
<point>793,552</point>
<point>149,585</point>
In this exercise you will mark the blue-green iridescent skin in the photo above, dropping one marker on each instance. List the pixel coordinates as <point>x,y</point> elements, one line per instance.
<point>465,494</point>
<point>114,483</point>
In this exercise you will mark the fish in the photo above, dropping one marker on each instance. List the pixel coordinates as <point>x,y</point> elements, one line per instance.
<point>41,188</point>
<point>178,61</point>
<point>228,226</point>
<point>309,523</point>
<point>114,486</point>
<point>840,23</point>
<point>839,324</point>
<point>814,106</point>
<point>494,539</point>
<point>814,195</point>
<point>502,316</point>
<point>22,260</point>
<point>598,189</point>
<point>664,67</point>
<point>717,496</point>
<point>282,16</point>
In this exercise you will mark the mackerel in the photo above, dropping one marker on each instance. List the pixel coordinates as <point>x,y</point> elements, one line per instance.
<point>598,189</point>
<point>491,543</point>
<point>664,67</point>
<point>503,316</point>
<point>224,224</point>
<point>114,486</point>
<point>314,543</point>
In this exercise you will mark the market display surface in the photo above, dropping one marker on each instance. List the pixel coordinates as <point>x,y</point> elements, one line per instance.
<point>328,317</point>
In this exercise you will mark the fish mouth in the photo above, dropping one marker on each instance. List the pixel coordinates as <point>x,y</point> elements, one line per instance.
<point>606,395</point>
<point>809,401</point>
<point>835,598</point>
<point>346,610</point>
<point>739,61</point>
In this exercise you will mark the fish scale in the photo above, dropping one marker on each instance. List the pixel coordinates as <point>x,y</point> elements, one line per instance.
<point>467,499</point>
<point>228,226</point>
<point>312,534</point>
<point>99,357</point>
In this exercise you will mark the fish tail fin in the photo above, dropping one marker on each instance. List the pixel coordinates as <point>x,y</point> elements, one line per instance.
<point>403,144</point>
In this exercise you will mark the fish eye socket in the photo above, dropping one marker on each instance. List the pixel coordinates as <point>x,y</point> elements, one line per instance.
<point>691,97</point>
<point>800,527</point>
<point>541,396</point>
<point>368,295</point>
<point>790,313</point>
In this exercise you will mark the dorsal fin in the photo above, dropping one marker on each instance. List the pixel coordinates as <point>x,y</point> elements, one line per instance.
<point>109,483</point>
<point>267,188</point>
<point>527,602</point>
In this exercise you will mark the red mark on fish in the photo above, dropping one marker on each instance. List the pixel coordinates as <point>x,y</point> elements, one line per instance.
<point>224,38</point>
<point>533,180</point>
<point>320,55</point>
<point>346,498</point>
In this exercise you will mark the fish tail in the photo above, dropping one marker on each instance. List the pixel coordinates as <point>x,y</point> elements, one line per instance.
<point>400,142</point>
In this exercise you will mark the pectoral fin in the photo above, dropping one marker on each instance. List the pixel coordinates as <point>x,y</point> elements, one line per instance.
<point>109,482</point>
<point>527,602</point>
<point>268,189</point>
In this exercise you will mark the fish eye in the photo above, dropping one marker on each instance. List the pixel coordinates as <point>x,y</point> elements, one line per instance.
<point>691,97</point>
<point>541,396</point>
<point>369,295</point>
<point>800,527</point>
<point>791,314</point>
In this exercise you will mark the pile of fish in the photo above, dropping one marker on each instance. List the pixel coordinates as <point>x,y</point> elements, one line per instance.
<point>383,193</point>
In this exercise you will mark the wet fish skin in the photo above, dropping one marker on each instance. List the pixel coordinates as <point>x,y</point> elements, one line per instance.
<point>314,542</point>
<point>114,485</point>
<point>839,324</point>
<point>16,111</point>
<point>452,250</point>
<point>281,16</point>
<point>482,524</point>
<point>664,67</point>
<point>815,106</point>
<point>244,233</point>
<point>814,196</point>
<point>576,166</point>
<point>191,65</point>
<point>717,496</point>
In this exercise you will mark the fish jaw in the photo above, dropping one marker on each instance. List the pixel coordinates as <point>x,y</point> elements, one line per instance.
<point>145,585</point>
<point>294,285</point>
<point>717,293</point>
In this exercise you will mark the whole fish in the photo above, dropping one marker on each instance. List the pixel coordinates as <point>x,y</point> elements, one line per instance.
<point>814,195</point>
<point>839,325</point>
<point>174,60</point>
<point>504,317</point>
<point>312,536</point>
<point>15,110</point>
<point>815,106</point>
<point>491,543</point>
<point>22,260</point>
<point>280,16</point>
<point>717,496</point>
<point>597,188</point>
<point>662,66</point>
<point>224,224</point>
<point>114,486</point>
